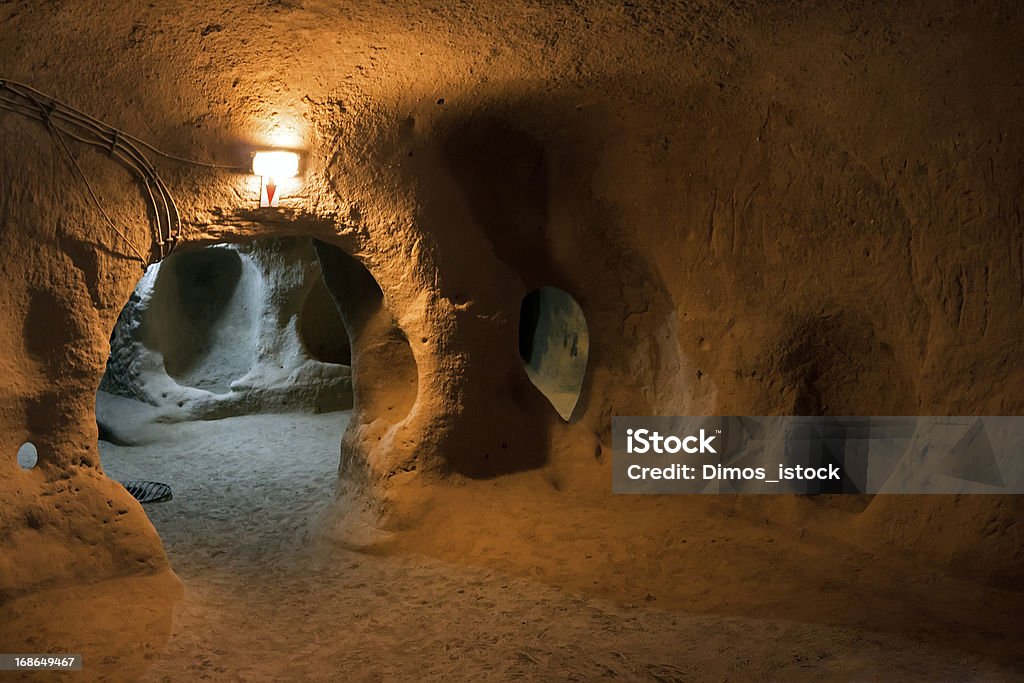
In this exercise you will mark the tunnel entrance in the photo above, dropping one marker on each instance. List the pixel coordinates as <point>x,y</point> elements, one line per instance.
<point>231,330</point>
<point>229,380</point>
<point>554,344</point>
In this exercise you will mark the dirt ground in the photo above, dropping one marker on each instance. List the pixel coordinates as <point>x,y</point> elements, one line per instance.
<point>263,596</point>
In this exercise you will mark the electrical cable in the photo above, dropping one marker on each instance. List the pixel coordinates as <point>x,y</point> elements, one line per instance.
<point>57,134</point>
<point>64,121</point>
<point>111,129</point>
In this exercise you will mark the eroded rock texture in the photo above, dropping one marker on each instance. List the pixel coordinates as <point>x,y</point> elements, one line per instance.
<point>231,330</point>
<point>761,208</point>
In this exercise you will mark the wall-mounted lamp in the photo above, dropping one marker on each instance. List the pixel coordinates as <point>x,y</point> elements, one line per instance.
<point>273,166</point>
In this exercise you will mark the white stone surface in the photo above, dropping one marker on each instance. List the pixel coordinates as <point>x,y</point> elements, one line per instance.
<point>214,332</point>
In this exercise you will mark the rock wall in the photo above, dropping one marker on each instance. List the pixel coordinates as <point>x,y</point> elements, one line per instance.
<point>226,330</point>
<point>761,208</point>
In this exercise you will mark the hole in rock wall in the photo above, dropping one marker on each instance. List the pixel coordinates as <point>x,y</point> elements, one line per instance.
<point>28,456</point>
<point>554,343</point>
<point>228,380</point>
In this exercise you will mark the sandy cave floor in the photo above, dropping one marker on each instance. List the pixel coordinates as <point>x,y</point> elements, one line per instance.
<point>265,600</point>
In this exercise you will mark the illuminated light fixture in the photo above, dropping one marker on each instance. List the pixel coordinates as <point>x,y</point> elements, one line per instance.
<point>275,164</point>
<point>272,166</point>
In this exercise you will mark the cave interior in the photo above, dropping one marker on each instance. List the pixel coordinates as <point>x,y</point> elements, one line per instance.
<point>381,391</point>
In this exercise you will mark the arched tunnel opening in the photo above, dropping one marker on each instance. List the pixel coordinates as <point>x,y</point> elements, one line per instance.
<point>229,382</point>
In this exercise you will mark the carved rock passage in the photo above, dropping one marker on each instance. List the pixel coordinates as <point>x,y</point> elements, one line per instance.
<point>757,213</point>
<point>226,330</point>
